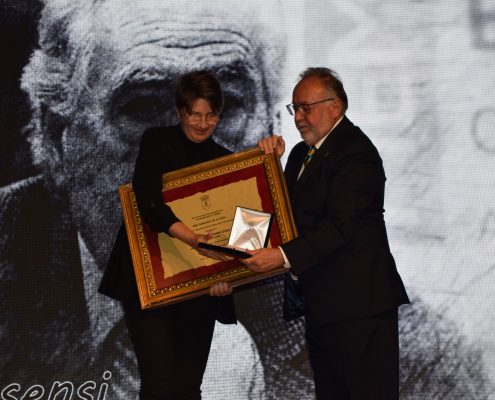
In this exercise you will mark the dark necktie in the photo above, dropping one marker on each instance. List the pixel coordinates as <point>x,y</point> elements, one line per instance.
<point>309,156</point>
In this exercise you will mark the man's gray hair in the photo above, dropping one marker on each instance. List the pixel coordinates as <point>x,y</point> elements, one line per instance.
<point>330,79</point>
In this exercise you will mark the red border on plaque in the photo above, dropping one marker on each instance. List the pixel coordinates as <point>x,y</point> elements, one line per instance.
<point>256,171</point>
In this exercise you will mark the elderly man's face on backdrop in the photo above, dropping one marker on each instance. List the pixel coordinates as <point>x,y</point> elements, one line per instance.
<point>129,56</point>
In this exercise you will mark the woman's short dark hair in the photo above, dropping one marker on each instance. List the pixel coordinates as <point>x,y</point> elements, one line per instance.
<point>198,85</point>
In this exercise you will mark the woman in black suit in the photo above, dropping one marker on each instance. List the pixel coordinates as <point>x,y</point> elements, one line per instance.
<point>172,343</point>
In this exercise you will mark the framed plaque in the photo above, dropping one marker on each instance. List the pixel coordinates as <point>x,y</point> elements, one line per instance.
<point>205,197</point>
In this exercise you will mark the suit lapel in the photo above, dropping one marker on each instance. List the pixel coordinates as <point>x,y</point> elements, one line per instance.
<point>293,167</point>
<point>322,154</point>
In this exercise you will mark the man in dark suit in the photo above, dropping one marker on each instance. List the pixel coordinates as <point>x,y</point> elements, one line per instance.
<point>341,257</point>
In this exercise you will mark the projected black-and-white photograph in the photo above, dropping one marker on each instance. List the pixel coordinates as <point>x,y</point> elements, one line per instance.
<point>82,80</point>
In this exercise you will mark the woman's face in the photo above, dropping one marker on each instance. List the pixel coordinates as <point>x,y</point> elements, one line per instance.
<point>200,122</point>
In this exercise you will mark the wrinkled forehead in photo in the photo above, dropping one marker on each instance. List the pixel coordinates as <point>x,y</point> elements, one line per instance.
<point>125,56</point>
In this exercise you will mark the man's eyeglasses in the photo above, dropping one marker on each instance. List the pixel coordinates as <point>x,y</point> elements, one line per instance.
<point>304,108</point>
<point>210,118</point>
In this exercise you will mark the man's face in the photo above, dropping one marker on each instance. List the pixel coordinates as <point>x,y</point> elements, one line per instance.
<point>321,117</point>
<point>141,48</point>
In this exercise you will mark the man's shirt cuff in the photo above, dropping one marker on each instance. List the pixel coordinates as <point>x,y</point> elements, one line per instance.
<point>287,263</point>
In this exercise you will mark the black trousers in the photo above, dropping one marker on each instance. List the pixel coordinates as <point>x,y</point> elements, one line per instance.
<point>355,360</point>
<point>171,346</point>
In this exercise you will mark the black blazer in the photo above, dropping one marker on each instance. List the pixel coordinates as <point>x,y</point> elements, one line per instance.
<point>161,150</point>
<point>341,255</point>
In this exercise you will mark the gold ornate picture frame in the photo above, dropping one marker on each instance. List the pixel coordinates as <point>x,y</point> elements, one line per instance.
<point>204,197</point>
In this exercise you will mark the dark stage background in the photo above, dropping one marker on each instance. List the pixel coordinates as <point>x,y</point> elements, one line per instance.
<point>81,80</point>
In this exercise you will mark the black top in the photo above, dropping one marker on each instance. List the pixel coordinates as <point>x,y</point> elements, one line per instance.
<point>161,150</point>
<point>165,150</point>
